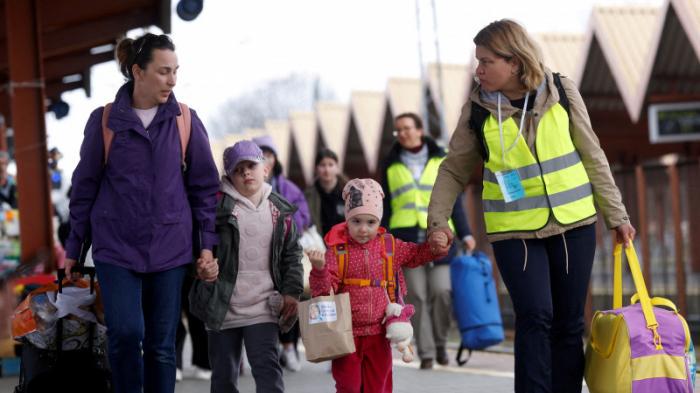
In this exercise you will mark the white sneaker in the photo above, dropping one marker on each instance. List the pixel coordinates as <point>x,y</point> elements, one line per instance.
<point>178,375</point>
<point>293,363</point>
<point>201,373</point>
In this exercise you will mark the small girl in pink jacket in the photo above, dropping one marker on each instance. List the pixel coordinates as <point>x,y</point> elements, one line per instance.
<point>369,369</point>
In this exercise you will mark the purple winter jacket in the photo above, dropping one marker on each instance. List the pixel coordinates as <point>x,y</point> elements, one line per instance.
<point>292,193</point>
<point>138,209</point>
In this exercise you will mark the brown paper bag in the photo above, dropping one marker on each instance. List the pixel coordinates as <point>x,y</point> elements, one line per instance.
<point>326,327</point>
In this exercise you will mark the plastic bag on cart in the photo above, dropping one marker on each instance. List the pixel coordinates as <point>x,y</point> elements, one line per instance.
<point>69,313</point>
<point>35,318</point>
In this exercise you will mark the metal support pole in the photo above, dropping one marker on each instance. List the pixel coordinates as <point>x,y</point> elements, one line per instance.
<point>441,93</point>
<point>425,115</point>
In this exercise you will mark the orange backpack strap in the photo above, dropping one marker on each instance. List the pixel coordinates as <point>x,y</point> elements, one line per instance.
<point>341,255</point>
<point>184,127</point>
<point>107,133</point>
<point>389,281</point>
<point>389,245</point>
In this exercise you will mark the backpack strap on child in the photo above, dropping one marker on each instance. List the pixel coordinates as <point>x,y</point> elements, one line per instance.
<point>341,255</point>
<point>389,245</point>
<point>184,127</point>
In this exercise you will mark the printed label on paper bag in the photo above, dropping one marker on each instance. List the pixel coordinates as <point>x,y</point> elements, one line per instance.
<point>322,312</point>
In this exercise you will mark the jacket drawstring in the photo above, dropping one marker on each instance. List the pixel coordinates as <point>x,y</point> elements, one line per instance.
<point>566,253</point>
<point>525,246</point>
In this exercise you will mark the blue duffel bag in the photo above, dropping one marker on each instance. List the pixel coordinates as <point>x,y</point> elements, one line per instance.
<point>475,303</point>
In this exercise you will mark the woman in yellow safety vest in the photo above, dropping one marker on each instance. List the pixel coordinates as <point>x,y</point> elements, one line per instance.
<point>543,170</point>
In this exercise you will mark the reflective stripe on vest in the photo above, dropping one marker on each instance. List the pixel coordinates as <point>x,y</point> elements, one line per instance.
<point>409,201</point>
<point>557,183</point>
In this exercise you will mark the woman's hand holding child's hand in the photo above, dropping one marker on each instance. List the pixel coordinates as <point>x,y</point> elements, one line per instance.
<point>440,241</point>
<point>207,269</point>
<point>317,258</point>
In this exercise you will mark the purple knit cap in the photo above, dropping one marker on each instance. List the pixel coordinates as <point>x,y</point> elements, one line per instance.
<point>242,151</point>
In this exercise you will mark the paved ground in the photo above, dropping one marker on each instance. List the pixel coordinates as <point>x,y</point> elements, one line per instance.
<point>486,372</point>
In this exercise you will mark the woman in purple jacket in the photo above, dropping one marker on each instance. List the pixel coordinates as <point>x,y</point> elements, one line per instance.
<point>138,207</point>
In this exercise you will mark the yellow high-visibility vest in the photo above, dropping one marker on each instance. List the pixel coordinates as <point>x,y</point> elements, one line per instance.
<point>555,182</point>
<point>409,200</point>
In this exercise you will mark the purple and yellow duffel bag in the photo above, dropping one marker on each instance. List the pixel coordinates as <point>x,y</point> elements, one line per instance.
<point>640,348</point>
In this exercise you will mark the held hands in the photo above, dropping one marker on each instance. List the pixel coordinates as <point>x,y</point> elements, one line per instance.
<point>317,258</point>
<point>625,234</point>
<point>440,241</point>
<point>207,266</point>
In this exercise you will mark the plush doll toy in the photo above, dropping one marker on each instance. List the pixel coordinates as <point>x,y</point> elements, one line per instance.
<point>399,331</point>
<point>398,328</point>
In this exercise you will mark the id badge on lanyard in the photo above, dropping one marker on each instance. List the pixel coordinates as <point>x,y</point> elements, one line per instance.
<point>509,180</point>
<point>511,186</point>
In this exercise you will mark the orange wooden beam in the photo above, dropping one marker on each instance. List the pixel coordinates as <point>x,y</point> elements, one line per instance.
<point>26,95</point>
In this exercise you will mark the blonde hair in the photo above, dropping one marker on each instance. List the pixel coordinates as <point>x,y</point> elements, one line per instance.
<point>509,40</point>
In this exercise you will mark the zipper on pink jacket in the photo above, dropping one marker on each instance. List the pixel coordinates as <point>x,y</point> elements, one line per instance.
<point>369,275</point>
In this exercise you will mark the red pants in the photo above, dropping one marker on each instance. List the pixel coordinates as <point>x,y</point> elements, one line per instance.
<point>368,370</point>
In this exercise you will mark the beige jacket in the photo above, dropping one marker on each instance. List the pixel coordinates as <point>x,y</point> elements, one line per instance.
<point>464,156</point>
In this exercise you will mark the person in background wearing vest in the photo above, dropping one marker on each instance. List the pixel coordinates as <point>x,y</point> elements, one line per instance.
<point>138,205</point>
<point>408,176</point>
<point>257,291</point>
<point>325,196</point>
<point>543,170</point>
<point>370,276</point>
<point>302,218</point>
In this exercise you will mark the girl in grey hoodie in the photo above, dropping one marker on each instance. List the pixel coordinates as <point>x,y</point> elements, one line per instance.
<point>259,274</point>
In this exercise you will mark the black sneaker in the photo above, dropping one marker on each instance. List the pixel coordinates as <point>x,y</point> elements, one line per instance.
<point>441,357</point>
<point>426,364</point>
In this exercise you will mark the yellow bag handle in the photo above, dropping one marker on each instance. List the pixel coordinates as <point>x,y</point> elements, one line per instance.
<point>657,301</point>
<point>639,284</point>
<point>663,302</point>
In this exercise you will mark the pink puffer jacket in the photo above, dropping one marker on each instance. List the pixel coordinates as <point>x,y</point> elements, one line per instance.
<point>366,261</point>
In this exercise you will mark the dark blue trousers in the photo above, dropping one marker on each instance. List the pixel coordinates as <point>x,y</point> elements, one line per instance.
<point>548,281</point>
<point>225,351</point>
<point>142,311</point>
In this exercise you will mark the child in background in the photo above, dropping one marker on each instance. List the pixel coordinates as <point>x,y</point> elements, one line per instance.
<point>369,369</point>
<point>259,277</point>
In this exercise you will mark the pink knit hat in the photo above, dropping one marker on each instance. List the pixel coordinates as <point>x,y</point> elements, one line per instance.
<point>363,196</point>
